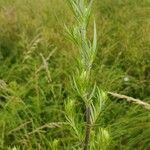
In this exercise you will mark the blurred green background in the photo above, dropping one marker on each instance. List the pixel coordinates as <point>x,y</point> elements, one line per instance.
<point>31,97</point>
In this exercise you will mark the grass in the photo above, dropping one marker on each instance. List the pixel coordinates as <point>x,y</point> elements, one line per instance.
<point>33,98</point>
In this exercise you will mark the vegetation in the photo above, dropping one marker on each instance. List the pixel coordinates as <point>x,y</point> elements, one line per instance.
<point>56,94</point>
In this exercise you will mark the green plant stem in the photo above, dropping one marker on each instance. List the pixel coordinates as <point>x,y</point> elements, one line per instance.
<point>88,127</point>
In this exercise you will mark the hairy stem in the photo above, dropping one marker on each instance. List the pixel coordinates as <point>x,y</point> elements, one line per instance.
<point>88,127</point>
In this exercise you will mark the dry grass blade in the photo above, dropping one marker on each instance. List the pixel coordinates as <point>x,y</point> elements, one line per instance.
<point>19,127</point>
<point>48,125</point>
<point>3,84</point>
<point>131,99</point>
<point>45,65</point>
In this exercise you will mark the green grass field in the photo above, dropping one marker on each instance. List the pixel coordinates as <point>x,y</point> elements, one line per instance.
<point>37,62</point>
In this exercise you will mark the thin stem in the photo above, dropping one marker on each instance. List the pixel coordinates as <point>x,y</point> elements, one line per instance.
<point>88,128</point>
